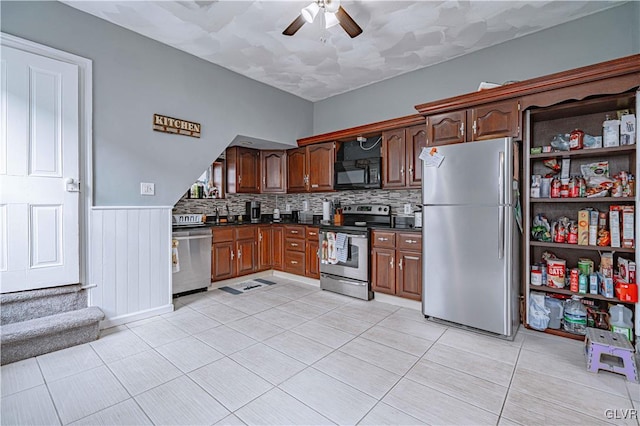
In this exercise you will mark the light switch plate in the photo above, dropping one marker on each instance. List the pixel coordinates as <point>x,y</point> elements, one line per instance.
<point>407,209</point>
<point>147,188</point>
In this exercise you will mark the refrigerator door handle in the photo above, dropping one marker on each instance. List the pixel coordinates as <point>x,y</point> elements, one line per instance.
<point>501,232</point>
<point>501,177</point>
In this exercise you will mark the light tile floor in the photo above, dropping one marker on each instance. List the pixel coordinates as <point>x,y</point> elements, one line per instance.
<point>292,354</point>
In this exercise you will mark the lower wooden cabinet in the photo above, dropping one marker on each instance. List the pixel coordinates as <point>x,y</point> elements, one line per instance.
<point>244,249</point>
<point>312,258</point>
<point>396,263</point>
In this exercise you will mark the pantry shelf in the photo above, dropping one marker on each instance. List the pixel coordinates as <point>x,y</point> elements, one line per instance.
<point>587,153</point>
<point>578,247</point>
<point>584,200</point>
<point>568,292</point>
<point>558,332</point>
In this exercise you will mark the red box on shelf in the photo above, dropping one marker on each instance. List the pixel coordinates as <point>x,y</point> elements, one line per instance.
<point>627,292</point>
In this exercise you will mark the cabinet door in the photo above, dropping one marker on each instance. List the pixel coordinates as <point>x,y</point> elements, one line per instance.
<point>273,167</point>
<point>297,170</point>
<point>393,159</point>
<point>246,256</point>
<point>312,261</point>
<point>277,250</point>
<point>500,119</point>
<point>416,139</point>
<point>447,128</point>
<point>222,261</point>
<point>409,274</point>
<point>248,171</point>
<point>265,248</point>
<point>383,277</point>
<point>320,161</point>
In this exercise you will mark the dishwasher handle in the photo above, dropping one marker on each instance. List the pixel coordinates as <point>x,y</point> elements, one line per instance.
<point>192,237</point>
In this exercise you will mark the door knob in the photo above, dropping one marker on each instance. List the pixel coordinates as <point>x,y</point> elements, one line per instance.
<point>72,185</point>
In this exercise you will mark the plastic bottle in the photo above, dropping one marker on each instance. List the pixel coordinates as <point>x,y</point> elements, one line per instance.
<point>575,316</point>
<point>620,320</point>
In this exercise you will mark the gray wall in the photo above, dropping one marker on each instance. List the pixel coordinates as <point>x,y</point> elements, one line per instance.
<point>596,38</point>
<point>135,77</point>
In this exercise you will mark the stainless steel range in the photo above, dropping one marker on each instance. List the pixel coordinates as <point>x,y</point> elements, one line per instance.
<point>344,250</point>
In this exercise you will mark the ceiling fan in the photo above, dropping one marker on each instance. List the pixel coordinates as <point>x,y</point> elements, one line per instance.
<point>333,14</point>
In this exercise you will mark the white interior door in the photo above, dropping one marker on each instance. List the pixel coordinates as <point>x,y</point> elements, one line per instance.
<point>39,154</point>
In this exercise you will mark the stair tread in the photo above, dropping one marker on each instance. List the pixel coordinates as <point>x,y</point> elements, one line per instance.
<point>49,324</point>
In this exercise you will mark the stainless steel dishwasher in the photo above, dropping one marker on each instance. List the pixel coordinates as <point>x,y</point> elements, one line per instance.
<point>191,259</point>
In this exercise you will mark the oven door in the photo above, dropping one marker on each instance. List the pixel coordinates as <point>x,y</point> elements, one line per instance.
<point>356,265</point>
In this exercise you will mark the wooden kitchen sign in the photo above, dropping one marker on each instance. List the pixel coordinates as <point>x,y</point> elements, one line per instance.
<point>162,123</point>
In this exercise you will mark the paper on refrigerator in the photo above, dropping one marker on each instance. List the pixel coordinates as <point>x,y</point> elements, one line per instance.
<point>431,157</point>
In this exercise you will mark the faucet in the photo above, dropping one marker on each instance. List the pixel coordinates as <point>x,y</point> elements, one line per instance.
<point>217,216</point>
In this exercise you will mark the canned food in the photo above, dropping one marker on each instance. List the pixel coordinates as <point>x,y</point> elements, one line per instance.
<point>536,277</point>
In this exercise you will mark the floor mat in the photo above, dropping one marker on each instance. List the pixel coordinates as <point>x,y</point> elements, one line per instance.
<point>246,286</point>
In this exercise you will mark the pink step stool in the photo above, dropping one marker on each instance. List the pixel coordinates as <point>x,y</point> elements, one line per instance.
<point>617,351</point>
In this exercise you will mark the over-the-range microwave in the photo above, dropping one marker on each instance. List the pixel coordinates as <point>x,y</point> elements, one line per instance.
<point>357,174</point>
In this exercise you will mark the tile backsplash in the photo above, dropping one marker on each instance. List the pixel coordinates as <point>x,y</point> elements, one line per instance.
<point>395,198</point>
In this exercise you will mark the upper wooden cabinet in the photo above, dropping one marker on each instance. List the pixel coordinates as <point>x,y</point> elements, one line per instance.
<point>310,169</point>
<point>273,167</point>
<point>400,152</point>
<point>495,120</point>
<point>243,170</point>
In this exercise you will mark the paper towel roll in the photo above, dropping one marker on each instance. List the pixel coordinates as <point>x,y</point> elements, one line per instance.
<point>326,210</point>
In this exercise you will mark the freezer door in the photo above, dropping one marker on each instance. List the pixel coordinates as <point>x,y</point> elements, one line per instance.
<point>467,266</point>
<point>472,173</point>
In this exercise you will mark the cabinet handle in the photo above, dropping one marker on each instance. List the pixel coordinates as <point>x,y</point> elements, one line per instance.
<point>382,239</point>
<point>402,170</point>
<point>461,129</point>
<point>294,232</point>
<point>391,263</point>
<point>240,179</point>
<point>318,253</point>
<point>293,262</point>
<point>239,253</point>
<point>411,241</point>
<point>259,236</point>
<point>294,244</point>
<point>312,233</point>
<point>232,255</point>
<point>411,170</point>
<point>475,127</point>
<point>400,264</point>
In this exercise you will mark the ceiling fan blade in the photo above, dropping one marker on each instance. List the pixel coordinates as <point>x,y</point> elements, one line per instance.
<point>348,23</point>
<point>294,26</point>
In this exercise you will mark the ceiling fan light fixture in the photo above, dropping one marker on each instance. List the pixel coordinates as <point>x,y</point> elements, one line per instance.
<point>309,13</point>
<point>332,5</point>
<point>330,20</point>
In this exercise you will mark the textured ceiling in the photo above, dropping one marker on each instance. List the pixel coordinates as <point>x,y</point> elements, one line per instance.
<point>399,36</point>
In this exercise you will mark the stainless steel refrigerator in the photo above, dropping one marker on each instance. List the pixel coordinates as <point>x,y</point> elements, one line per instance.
<point>470,237</point>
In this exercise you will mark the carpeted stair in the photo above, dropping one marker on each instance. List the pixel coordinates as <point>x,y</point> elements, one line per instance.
<point>37,322</point>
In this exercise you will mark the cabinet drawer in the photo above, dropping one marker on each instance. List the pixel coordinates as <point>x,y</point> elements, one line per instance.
<point>245,232</point>
<point>295,244</point>
<point>312,234</point>
<point>409,241</point>
<point>223,234</point>
<point>294,262</point>
<point>384,239</point>
<point>294,231</point>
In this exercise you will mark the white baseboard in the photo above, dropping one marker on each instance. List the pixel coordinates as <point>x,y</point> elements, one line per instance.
<point>137,316</point>
<point>398,301</point>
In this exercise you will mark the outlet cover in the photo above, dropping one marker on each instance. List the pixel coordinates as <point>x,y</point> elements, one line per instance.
<point>147,188</point>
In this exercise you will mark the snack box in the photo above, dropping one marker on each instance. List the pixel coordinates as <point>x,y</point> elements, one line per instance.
<point>614,227</point>
<point>593,283</point>
<point>606,264</point>
<point>627,270</point>
<point>606,286</point>
<point>583,227</point>
<point>593,227</point>
<point>628,129</point>
<point>627,216</point>
<point>627,292</point>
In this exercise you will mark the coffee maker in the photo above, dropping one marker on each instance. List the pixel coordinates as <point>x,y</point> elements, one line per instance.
<point>253,211</point>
